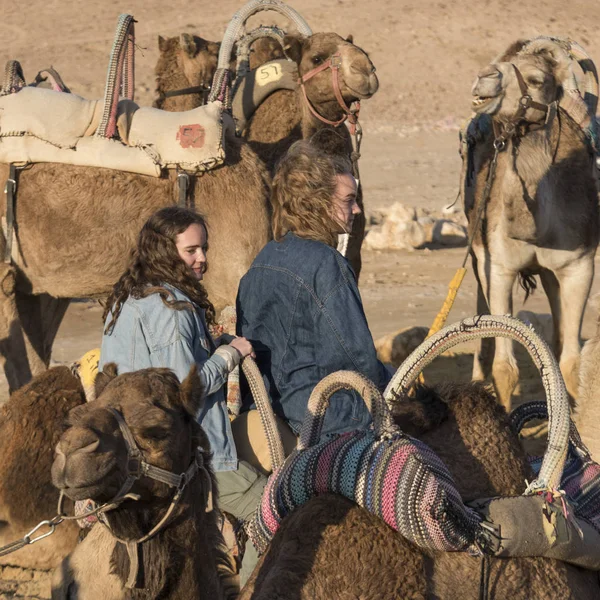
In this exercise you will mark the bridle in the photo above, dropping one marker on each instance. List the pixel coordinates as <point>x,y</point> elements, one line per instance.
<point>525,102</point>
<point>137,468</point>
<point>334,62</point>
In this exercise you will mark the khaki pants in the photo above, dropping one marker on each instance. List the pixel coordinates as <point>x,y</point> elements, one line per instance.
<point>240,492</point>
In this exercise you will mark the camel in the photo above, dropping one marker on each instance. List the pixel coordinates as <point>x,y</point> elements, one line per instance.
<point>467,428</point>
<point>30,426</point>
<point>463,424</point>
<point>185,558</point>
<point>541,217</point>
<point>588,403</point>
<point>187,64</point>
<point>90,217</point>
<point>285,117</point>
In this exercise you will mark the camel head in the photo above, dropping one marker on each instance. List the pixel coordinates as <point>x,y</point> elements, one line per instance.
<point>91,458</point>
<point>184,62</point>
<point>541,68</point>
<point>357,78</point>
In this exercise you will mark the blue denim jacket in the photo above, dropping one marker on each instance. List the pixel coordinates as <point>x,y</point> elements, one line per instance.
<point>300,307</point>
<point>150,334</point>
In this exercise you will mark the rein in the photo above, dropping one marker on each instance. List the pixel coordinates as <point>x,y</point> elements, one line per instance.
<point>334,62</point>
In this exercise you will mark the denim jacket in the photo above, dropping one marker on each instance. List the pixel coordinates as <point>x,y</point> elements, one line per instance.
<point>150,334</point>
<point>300,307</point>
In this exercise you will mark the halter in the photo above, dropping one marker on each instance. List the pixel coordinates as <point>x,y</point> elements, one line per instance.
<point>334,62</point>
<point>525,102</point>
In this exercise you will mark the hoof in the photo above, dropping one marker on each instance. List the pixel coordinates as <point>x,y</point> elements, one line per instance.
<point>505,377</point>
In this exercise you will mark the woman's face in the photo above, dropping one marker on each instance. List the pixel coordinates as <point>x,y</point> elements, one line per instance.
<point>345,207</point>
<point>192,246</point>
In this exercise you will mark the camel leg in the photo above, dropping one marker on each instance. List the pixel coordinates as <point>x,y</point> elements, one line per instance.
<point>505,372</point>
<point>13,354</point>
<point>575,283</point>
<point>484,351</point>
<point>41,316</point>
<point>552,289</point>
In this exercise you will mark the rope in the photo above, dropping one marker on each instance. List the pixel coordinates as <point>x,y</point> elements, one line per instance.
<point>119,78</point>
<point>483,326</point>
<point>14,79</point>
<point>265,411</point>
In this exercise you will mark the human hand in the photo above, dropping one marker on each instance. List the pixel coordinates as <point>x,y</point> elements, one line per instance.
<point>243,346</point>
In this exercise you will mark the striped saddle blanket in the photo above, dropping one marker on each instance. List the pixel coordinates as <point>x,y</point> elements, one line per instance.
<point>397,478</point>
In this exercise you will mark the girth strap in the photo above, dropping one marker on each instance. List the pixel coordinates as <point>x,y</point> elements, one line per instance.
<point>10,191</point>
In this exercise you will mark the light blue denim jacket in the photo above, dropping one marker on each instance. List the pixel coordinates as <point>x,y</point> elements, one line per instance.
<point>150,334</point>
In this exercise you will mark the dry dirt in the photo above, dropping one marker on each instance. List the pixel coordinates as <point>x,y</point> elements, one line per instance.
<point>427,54</point>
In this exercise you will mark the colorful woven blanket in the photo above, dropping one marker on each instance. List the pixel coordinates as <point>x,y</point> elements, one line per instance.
<point>396,477</point>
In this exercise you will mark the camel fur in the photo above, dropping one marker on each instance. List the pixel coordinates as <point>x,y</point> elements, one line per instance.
<point>30,425</point>
<point>542,214</point>
<point>470,432</point>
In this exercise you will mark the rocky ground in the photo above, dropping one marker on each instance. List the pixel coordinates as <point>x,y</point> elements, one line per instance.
<point>427,54</point>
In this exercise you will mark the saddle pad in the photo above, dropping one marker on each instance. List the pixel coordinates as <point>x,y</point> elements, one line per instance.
<point>90,152</point>
<point>397,478</point>
<point>55,117</point>
<point>192,140</point>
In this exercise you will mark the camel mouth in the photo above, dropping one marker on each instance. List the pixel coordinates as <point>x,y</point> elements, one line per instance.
<point>485,104</point>
<point>365,94</point>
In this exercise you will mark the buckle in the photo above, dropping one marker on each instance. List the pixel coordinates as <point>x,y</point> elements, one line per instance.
<point>135,467</point>
<point>336,60</point>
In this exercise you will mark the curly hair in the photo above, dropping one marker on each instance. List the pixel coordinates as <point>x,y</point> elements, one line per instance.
<point>155,262</point>
<point>302,192</point>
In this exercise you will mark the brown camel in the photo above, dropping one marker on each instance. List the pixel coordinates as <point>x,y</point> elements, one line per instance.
<point>462,423</point>
<point>330,548</point>
<point>541,217</point>
<point>186,557</point>
<point>90,218</point>
<point>284,117</point>
<point>187,64</point>
<point>31,423</point>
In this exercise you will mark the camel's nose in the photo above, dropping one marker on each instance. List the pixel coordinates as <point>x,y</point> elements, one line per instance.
<point>488,82</point>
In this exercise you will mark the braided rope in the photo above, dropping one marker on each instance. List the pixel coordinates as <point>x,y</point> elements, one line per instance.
<point>118,77</point>
<point>319,402</point>
<point>265,411</point>
<point>13,78</point>
<point>508,327</point>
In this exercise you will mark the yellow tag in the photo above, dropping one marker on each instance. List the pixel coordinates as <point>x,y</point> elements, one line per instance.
<point>89,367</point>
<point>268,73</point>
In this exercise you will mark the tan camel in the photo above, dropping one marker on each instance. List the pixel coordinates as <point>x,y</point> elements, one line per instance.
<point>76,226</point>
<point>30,426</point>
<point>541,217</point>
<point>285,117</point>
<point>184,557</point>
<point>470,433</point>
<point>587,415</point>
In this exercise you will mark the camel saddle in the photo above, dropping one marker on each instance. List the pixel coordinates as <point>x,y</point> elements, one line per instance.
<point>48,125</point>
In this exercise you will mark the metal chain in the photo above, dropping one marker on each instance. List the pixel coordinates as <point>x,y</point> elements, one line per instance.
<point>28,539</point>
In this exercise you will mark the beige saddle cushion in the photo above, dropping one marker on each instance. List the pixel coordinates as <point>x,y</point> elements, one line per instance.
<point>192,140</point>
<point>251,441</point>
<point>56,117</point>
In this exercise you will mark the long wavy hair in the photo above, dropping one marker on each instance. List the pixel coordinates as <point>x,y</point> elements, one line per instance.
<point>155,262</point>
<point>302,193</point>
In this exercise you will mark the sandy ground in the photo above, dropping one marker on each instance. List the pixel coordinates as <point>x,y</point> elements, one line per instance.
<point>427,54</point>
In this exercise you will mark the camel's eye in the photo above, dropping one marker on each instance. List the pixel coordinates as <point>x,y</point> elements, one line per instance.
<point>535,81</point>
<point>317,60</point>
<point>155,433</point>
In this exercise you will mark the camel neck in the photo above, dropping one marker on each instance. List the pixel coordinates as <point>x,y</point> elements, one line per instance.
<point>333,140</point>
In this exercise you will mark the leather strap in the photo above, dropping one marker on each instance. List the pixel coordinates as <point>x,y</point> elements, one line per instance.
<point>10,190</point>
<point>196,89</point>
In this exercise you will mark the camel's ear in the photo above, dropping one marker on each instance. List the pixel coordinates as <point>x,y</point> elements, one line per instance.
<point>192,394</point>
<point>162,43</point>
<point>350,39</point>
<point>188,44</point>
<point>292,47</point>
<point>104,378</point>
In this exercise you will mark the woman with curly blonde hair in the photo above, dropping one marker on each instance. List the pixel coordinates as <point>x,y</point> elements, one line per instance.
<point>299,303</point>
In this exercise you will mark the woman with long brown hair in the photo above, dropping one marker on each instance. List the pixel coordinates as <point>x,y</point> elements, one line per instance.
<point>299,303</point>
<point>158,316</point>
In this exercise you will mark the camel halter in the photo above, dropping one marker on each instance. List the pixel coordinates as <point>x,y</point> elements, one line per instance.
<point>334,62</point>
<point>525,102</point>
